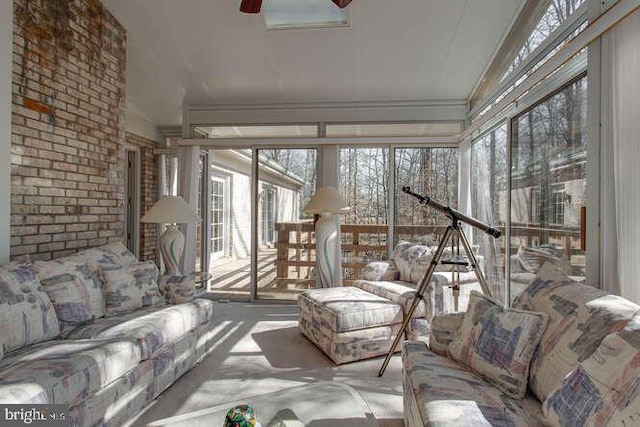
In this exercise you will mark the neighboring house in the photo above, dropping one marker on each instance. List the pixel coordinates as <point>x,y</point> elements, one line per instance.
<point>279,201</point>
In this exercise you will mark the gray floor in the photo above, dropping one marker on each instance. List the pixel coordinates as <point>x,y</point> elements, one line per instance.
<point>260,350</point>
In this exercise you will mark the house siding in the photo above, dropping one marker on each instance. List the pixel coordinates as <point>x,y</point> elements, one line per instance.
<point>67,152</point>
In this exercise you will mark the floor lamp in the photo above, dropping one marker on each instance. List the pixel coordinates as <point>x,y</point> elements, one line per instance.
<point>328,205</point>
<point>171,210</point>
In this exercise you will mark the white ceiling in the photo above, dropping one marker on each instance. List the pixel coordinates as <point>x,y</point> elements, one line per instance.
<point>206,52</point>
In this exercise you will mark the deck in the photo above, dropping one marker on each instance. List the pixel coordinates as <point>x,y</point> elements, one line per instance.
<point>231,278</point>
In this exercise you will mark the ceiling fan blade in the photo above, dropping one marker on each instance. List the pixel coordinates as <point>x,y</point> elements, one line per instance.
<point>250,6</point>
<point>341,3</point>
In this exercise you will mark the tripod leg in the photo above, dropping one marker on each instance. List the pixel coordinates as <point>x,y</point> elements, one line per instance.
<point>474,263</point>
<point>422,287</point>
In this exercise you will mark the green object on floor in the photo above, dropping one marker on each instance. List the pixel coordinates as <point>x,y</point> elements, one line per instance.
<point>241,416</point>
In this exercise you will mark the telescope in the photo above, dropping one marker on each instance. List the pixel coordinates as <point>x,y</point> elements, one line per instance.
<point>453,214</point>
<point>452,230</point>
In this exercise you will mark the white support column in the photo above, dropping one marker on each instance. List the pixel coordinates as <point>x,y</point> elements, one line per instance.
<point>330,166</point>
<point>6,49</point>
<point>188,158</point>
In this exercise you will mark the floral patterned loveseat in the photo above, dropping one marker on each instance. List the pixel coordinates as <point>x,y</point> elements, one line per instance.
<point>92,331</point>
<point>565,354</point>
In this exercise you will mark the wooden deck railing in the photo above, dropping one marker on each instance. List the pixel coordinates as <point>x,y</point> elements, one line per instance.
<point>362,243</point>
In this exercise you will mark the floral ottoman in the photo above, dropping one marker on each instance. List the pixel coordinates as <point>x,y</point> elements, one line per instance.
<point>348,323</point>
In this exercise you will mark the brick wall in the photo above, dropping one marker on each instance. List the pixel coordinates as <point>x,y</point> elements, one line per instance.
<point>148,194</point>
<point>67,127</point>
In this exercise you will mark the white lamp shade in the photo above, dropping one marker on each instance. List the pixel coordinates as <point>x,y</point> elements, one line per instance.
<point>170,210</point>
<point>326,199</point>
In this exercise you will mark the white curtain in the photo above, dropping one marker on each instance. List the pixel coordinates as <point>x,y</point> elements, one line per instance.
<point>625,144</point>
<point>464,183</point>
<point>188,158</point>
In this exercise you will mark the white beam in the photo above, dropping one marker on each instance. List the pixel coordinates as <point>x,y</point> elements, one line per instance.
<point>230,143</point>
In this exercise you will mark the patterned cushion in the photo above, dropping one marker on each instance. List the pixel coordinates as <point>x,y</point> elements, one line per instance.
<point>439,392</point>
<point>396,292</point>
<point>151,327</point>
<point>580,316</point>
<point>498,342</point>
<point>443,329</point>
<point>98,258</point>
<point>86,281</point>
<point>380,270</point>
<point>344,347</point>
<point>124,257</point>
<point>347,308</point>
<point>129,288</point>
<point>603,389</point>
<point>27,315</point>
<point>64,371</point>
<point>411,260</point>
<point>68,292</point>
<point>533,258</point>
<point>177,289</point>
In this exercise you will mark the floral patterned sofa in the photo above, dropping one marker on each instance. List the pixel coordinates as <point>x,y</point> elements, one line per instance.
<point>92,331</point>
<point>565,354</point>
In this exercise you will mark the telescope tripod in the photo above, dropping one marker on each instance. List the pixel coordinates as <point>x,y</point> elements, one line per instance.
<point>453,230</point>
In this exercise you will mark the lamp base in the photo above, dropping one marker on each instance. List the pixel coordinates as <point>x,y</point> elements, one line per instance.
<point>328,256</point>
<point>171,248</point>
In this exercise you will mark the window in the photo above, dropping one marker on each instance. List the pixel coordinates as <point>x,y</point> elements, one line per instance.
<point>364,174</point>
<point>268,215</point>
<point>489,181</point>
<point>535,206</point>
<point>218,205</point>
<point>290,14</point>
<point>548,164</point>
<point>557,12</point>
<point>431,172</point>
<point>558,197</point>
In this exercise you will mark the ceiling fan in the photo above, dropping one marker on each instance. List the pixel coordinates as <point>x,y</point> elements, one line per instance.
<point>253,6</point>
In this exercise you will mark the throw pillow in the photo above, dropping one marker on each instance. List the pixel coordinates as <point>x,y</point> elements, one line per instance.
<point>68,293</point>
<point>580,317</point>
<point>177,289</point>
<point>130,288</point>
<point>602,390</point>
<point>498,343</point>
<point>380,270</point>
<point>27,315</point>
<point>443,329</point>
<point>410,258</point>
<point>123,255</point>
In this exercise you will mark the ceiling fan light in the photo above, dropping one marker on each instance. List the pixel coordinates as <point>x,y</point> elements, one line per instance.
<point>341,3</point>
<point>250,6</point>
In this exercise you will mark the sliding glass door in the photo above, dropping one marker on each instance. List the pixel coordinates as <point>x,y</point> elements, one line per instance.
<point>230,223</point>
<point>286,182</point>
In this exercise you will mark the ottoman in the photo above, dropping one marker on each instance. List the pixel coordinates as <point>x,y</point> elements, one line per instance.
<point>348,323</point>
